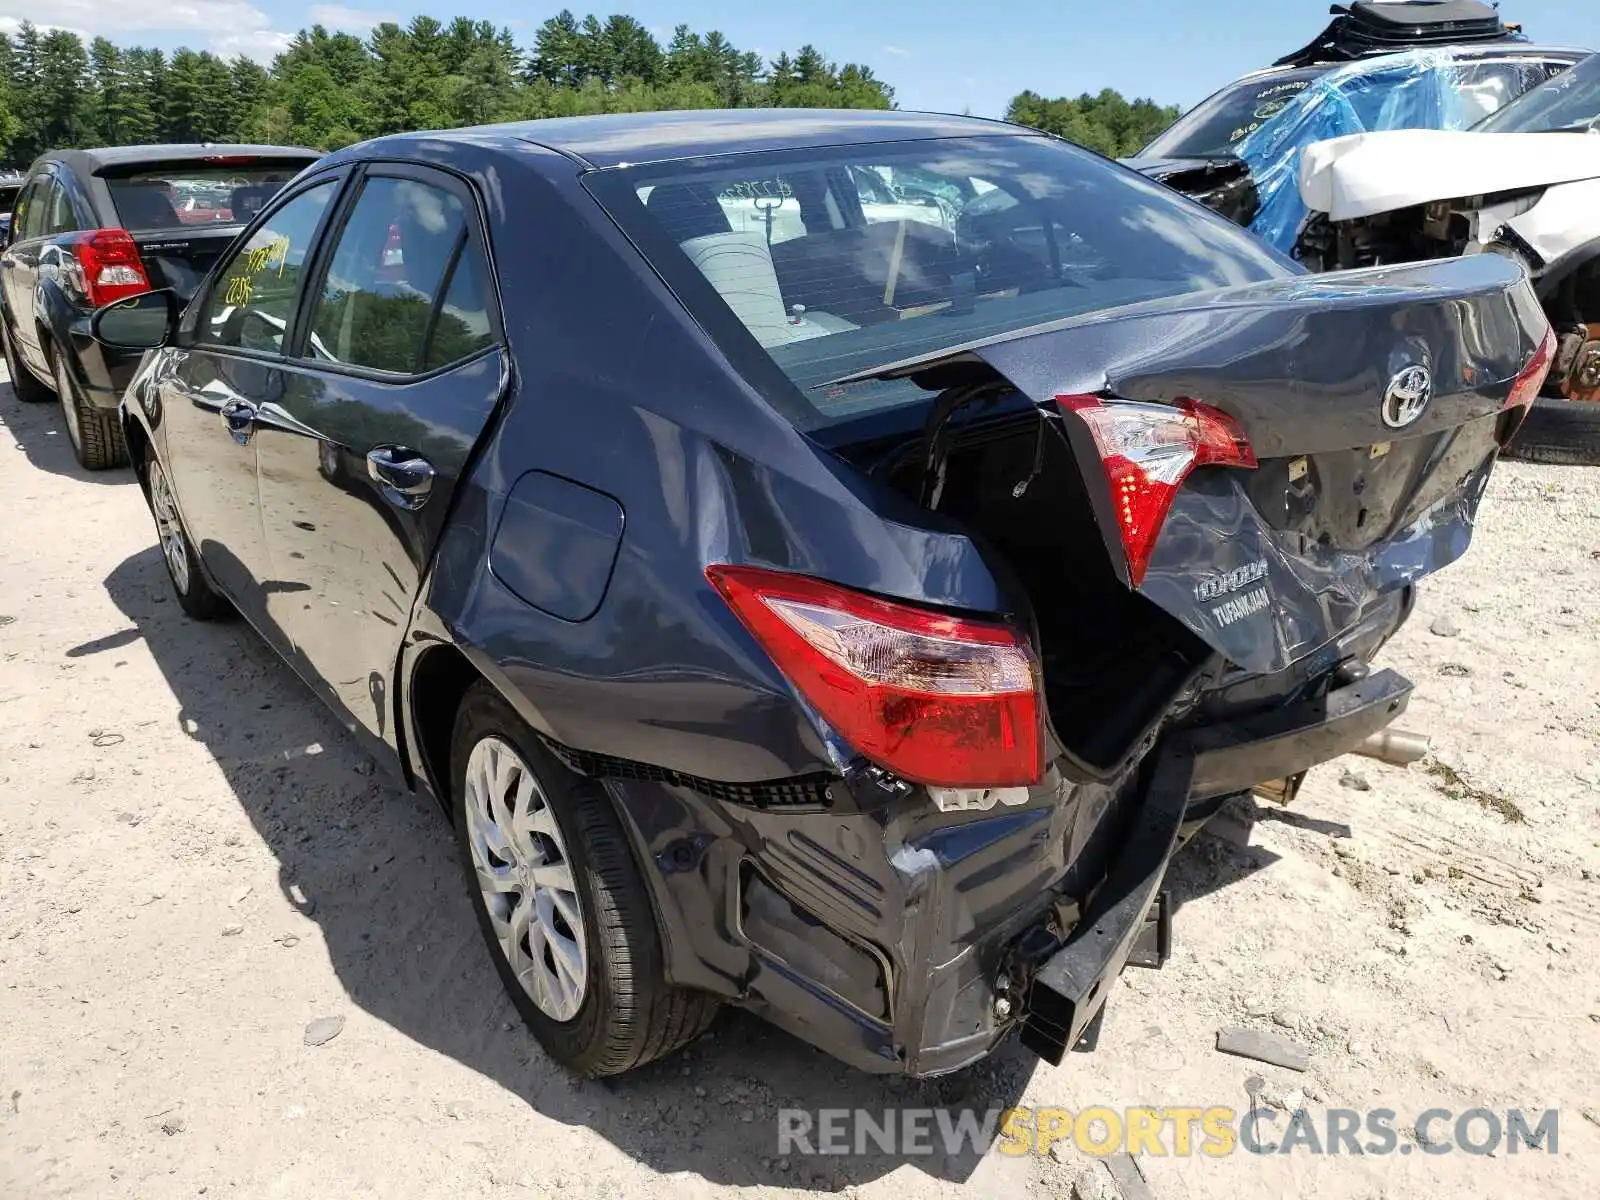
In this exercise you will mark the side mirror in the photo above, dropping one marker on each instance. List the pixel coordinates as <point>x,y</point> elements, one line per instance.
<point>143,322</point>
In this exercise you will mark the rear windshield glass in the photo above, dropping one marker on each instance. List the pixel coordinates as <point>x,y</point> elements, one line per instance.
<point>1215,127</point>
<point>846,258</point>
<point>172,195</point>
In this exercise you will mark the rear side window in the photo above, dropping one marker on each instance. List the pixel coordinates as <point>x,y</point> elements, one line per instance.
<point>894,252</point>
<point>461,327</point>
<point>27,217</point>
<point>59,218</point>
<point>404,292</point>
<point>174,195</point>
<point>252,298</point>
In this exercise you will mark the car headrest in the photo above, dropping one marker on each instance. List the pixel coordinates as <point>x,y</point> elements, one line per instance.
<point>144,207</point>
<point>739,266</point>
<point>688,210</point>
<point>245,202</point>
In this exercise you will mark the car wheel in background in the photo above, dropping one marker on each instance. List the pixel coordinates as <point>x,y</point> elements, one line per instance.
<point>196,596</point>
<point>23,382</point>
<point>96,433</point>
<point>560,899</point>
<point>1560,432</point>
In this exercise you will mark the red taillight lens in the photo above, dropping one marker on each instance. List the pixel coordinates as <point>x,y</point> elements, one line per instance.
<point>1525,387</point>
<point>111,266</point>
<point>1147,451</point>
<point>936,699</point>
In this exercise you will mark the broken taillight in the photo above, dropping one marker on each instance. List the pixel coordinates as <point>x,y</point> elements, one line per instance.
<point>936,699</point>
<point>109,266</point>
<point>1525,387</point>
<point>1147,451</point>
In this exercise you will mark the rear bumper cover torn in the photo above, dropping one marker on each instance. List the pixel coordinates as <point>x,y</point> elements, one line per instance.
<point>1068,991</point>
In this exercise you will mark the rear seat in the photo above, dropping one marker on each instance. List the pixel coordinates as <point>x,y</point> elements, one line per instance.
<point>739,265</point>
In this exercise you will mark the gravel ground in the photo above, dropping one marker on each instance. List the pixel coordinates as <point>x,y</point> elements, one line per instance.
<point>202,876</point>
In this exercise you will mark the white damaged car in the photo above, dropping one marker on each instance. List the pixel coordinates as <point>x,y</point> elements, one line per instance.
<point>1525,183</point>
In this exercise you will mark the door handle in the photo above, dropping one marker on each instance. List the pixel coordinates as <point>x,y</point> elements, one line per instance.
<point>403,476</point>
<point>239,419</point>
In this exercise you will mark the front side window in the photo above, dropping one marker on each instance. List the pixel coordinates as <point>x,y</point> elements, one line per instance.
<point>1002,233</point>
<point>253,296</point>
<point>1568,103</point>
<point>404,291</point>
<point>1487,87</point>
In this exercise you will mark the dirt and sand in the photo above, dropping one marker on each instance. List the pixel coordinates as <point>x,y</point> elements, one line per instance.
<point>196,865</point>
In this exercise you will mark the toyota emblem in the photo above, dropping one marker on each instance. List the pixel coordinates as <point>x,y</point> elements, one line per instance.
<point>1407,396</point>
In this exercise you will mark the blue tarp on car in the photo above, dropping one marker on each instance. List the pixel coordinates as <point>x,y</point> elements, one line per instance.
<point>1421,89</point>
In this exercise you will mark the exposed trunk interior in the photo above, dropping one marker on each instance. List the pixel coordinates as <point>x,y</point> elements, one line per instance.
<point>1113,661</point>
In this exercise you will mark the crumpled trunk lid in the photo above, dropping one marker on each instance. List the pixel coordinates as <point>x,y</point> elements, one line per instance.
<point>1347,504</point>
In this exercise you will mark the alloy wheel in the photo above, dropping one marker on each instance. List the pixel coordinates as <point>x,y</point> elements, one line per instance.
<point>69,400</point>
<point>173,544</point>
<point>525,875</point>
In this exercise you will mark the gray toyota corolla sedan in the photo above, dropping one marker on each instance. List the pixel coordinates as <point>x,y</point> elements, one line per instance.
<point>822,562</point>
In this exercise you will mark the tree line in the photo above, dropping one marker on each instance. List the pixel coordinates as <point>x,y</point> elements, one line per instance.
<point>1109,123</point>
<point>328,89</point>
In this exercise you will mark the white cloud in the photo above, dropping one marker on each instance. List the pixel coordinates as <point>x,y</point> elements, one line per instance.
<point>263,45</point>
<point>229,27</point>
<point>352,20</point>
<point>897,52</point>
<point>10,25</point>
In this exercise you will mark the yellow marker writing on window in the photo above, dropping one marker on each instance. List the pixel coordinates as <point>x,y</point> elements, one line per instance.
<point>275,252</point>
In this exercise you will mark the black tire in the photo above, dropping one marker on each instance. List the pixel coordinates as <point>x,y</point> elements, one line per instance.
<point>1560,432</point>
<point>195,594</point>
<point>95,433</point>
<point>23,381</point>
<point>629,1014</point>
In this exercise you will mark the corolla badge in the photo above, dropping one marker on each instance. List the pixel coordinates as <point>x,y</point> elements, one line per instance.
<point>1407,396</point>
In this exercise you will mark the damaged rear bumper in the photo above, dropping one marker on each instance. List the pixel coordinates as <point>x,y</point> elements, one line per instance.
<point>1069,989</point>
<point>903,940</point>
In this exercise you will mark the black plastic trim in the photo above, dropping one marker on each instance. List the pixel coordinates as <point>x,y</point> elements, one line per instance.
<point>807,793</point>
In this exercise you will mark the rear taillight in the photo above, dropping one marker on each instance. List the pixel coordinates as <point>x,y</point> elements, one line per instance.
<point>936,699</point>
<point>1525,387</point>
<point>1147,451</point>
<point>110,266</point>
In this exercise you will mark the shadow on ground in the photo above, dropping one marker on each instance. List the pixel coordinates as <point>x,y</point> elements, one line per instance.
<point>1221,856</point>
<point>375,867</point>
<point>41,431</point>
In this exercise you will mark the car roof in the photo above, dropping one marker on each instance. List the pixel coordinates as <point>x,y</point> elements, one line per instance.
<point>619,139</point>
<point>90,161</point>
<point>1479,50</point>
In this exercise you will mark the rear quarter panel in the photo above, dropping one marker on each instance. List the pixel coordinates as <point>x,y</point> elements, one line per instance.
<point>618,391</point>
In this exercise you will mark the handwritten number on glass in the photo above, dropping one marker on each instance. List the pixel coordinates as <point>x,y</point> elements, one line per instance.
<point>263,258</point>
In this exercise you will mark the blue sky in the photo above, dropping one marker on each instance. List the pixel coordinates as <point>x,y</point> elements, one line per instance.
<point>946,55</point>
